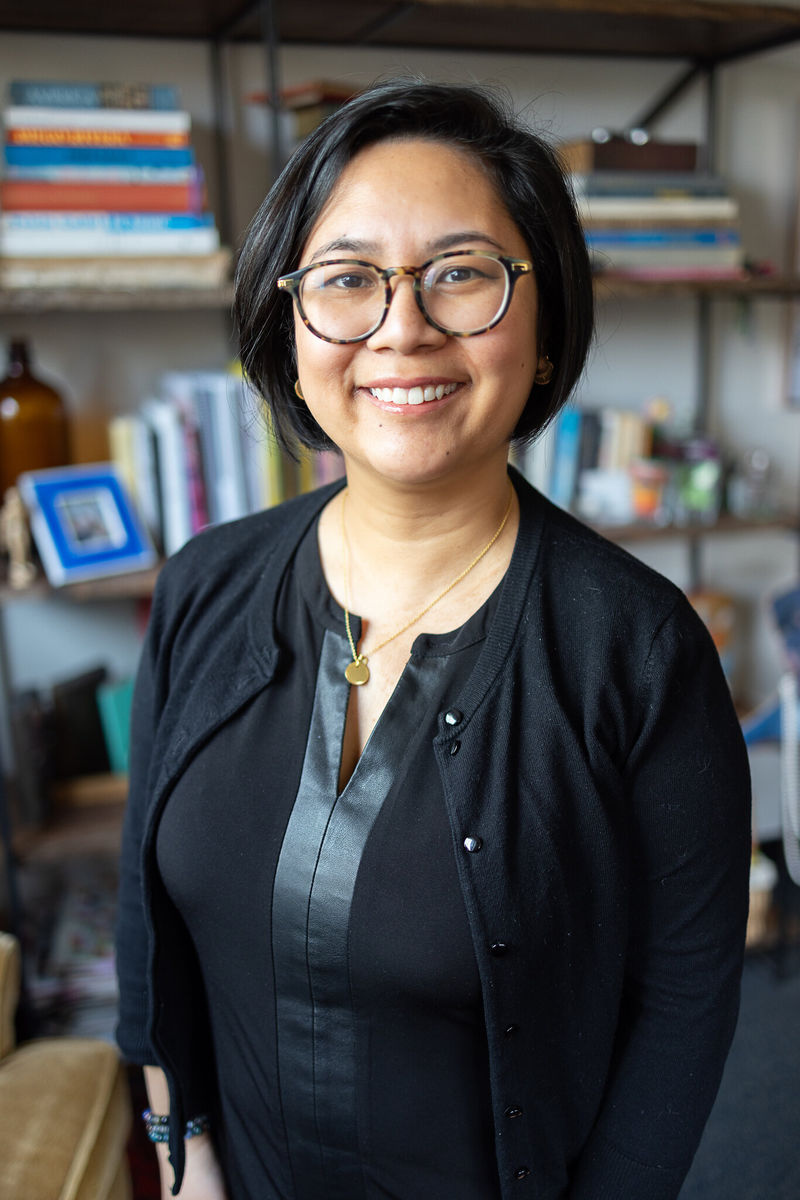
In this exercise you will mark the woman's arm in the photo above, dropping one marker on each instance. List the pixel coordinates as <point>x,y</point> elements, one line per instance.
<point>202,1179</point>
<point>689,822</point>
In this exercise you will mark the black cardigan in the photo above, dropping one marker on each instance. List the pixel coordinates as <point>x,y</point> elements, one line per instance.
<point>597,789</point>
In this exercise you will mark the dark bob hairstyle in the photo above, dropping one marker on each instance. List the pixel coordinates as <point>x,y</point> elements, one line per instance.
<point>529,180</point>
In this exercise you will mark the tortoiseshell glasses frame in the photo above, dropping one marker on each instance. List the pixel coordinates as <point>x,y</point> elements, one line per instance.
<point>514,269</point>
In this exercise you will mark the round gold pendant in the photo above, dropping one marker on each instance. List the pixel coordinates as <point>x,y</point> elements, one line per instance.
<point>357,672</point>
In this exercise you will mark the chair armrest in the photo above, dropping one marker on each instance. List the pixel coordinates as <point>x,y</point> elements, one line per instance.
<point>10,970</point>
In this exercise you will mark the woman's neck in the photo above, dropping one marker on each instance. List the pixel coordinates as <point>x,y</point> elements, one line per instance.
<point>388,548</point>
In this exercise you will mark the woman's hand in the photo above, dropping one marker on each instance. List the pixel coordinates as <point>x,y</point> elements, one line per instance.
<point>202,1178</point>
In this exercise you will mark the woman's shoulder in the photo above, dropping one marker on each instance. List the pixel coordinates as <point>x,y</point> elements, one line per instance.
<point>598,587</point>
<point>237,553</point>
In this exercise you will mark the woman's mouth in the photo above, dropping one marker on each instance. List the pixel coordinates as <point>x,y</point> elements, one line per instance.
<point>412,395</point>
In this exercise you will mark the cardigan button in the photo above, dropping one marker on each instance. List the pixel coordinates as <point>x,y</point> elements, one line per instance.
<point>472,844</point>
<point>513,1112</point>
<point>498,949</point>
<point>455,747</point>
<point>510,1030</point>
<point>453,716</point>
<point>522,1173</point>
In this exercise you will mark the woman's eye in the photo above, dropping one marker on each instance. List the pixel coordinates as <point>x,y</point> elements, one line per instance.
<point>350,281</point>
<point>458,275</point>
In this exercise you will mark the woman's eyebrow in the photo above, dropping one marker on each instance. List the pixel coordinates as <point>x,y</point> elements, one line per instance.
<point>457,239</point>
<point>346,245</point>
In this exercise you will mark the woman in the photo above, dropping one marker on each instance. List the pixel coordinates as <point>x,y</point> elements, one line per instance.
<point>445,899</point>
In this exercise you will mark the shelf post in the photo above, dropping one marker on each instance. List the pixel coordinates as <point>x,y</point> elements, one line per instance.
<point>219,93</point>
<point>270,39</point>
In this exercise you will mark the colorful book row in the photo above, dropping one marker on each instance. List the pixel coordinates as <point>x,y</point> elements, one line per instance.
<point>200,453</point>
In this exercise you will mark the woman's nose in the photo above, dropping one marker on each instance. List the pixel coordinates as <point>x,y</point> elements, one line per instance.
<point>405,327</point>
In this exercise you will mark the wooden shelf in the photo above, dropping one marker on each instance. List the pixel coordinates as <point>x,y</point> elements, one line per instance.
<point>87,819</point>
<point>139,585</point>
<point>704,30</point>
<point>79,299</point>
<point>610,284</point>
<point>641,532</point>
<point>134,585</point>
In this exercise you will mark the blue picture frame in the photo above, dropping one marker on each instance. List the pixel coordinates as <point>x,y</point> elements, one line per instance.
<point>83,523</point>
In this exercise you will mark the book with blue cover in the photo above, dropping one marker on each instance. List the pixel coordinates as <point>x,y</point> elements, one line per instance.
<point>98,156</point>
<point>566,456</point>
<point>56,94</point>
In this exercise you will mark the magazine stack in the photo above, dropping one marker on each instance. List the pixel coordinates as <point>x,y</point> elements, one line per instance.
<point>101,188</point>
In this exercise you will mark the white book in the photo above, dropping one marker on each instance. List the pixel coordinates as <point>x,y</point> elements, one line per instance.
<point>176,519</point>
<point>78,173</point>
<point>216,400</point>
<point>261,455</point>
<point>143,120</point>
<point>594,209</point>
<point>44,243</point>
<point>148,488</point>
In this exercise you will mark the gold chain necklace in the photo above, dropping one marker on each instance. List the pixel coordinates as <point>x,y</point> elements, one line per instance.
<point>357,671</point>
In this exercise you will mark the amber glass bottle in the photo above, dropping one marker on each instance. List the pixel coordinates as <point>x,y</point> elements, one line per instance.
<point>33,421</point>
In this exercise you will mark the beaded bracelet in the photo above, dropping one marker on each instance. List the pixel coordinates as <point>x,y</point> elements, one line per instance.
<point>157,1126</point>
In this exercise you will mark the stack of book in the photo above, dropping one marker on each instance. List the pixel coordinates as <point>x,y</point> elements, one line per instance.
<point>101,188</point>
<point>308,104</point>
<point>200,452</point>
<point>649,213</point>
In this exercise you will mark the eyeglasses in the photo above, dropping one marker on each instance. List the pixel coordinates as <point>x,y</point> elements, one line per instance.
<point>461,293</point>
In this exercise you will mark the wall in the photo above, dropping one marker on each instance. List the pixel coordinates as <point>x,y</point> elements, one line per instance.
<point>111,361</point>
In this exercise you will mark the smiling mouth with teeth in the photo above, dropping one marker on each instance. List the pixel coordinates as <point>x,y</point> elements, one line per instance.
<point>413,395</point>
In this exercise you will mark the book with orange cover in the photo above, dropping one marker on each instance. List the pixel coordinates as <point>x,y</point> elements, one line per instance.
<point>94,137</point>
<point>22,195</point>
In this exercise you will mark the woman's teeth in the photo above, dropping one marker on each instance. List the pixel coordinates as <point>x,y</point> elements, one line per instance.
<point>414,395</point>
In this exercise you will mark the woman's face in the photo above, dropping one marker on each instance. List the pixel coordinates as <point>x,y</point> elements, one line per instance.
<point>397,204</point>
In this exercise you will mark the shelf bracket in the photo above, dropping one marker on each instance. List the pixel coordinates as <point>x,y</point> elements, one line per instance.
<point>668,97</point>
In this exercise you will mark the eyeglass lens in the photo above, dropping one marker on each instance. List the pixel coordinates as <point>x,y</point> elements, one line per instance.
<point>462,294</point>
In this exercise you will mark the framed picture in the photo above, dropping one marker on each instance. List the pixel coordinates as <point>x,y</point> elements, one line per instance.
<point>84,524</point>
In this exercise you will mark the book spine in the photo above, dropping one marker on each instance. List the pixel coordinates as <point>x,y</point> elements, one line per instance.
<point>95,137</point>
<point>98,156</point>
<point>103,222</point>
<point>666,272</point>
<point>619,154</point>
<point>38,93</point>
<point>565,460</point>
<point>67,173</point>
<point>220,396</point>
<point>712,256</point>
<point>593,209</point>
<point>117,119</point>
<point>165,421</point>
<point>82,245</point>
<point>20,196</point>
<point>648,183</point>
<point>687,236</point>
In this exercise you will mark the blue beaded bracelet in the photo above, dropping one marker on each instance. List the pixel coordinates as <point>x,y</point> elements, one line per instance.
<point>157,1126</point>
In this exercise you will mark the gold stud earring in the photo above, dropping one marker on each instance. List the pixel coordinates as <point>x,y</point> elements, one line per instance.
<point>298,391</point>
<point>544,370</point>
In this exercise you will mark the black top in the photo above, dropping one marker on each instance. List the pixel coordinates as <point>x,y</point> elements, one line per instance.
<point>599,763</point>
<point>341,980</point>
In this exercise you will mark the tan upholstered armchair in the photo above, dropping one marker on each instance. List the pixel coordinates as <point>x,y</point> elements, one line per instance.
<point>64,1109</point>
